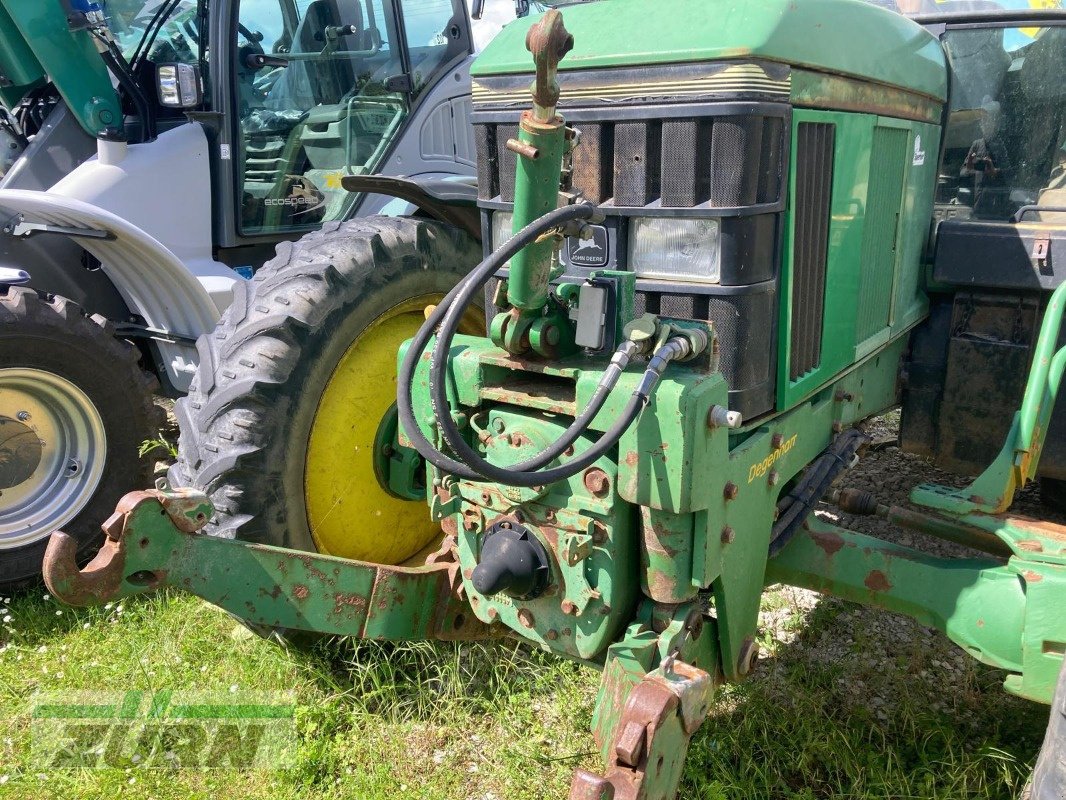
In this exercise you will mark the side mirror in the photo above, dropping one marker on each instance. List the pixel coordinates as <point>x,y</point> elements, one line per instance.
<point>179,86</point>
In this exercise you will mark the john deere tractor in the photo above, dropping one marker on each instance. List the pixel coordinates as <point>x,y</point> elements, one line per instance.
<point>156,153</point>
<point>716,240</point>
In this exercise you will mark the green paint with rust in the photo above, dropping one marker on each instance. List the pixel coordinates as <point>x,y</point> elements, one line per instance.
<point>832,36</point>
<point>536,193</point>
<point>37,45</point>
<point>1006,615</point>
<point>280,588</point>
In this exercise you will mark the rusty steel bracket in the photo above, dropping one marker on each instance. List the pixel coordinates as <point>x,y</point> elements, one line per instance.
<point>652,737</point>
<point>548,41</point>
<point>101,579</point>
<point>152,541</point>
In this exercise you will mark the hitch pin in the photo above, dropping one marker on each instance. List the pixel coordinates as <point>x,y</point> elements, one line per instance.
<point>523,149</point>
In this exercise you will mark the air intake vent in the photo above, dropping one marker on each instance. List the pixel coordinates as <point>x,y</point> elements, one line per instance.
<point>810,244</point>
<point>713,161</point>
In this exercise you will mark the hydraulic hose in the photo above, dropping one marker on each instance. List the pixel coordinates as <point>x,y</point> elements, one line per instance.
<point>447,315</point>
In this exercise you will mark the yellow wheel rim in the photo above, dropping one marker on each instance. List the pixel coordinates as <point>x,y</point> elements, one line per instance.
<point>350,515</point>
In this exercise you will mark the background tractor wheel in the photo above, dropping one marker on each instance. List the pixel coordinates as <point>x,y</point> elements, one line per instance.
<point>283,426</point>
<point>74,410</point>
<point>1049,775</point>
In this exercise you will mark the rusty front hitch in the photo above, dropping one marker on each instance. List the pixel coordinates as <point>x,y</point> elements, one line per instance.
<point>651,739</point>
<point>101,579</point>
<point>152,540</point>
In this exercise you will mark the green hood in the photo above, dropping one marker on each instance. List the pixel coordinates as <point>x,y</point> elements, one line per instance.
<point>845,37</point>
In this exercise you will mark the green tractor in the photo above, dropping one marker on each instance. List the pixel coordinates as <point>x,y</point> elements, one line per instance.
<point>716,240</point>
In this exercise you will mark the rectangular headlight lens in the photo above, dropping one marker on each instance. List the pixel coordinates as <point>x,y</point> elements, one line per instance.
<point>501,230</point>
<point>675,249</point>
<point>169,93</point>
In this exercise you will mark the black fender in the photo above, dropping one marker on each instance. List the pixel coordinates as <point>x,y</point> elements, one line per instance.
<point>450,201</point>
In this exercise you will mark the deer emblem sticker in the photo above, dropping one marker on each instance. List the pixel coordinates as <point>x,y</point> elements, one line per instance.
<point>590,252</point>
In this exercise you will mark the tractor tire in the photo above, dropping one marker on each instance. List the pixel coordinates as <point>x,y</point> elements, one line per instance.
<point>279,427</point>
<point>75,407</point>
<point>1049,775</point>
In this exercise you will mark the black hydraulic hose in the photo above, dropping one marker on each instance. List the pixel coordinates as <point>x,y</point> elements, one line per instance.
<point>473,282</point>
<point>125,80</point>
<point>674,348</point>
<point>451,308</point>
<point>144,47</point>
<point>577,428</point>
<point>797,506</point>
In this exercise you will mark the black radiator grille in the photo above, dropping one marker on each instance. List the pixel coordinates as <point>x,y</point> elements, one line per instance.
<point>814,189</point>
<point>719,162</point>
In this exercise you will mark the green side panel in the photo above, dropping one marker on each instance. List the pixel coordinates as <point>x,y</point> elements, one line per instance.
<point>878,265</point>
<point>35,42</point>
<point>21,70</point>
<point>850,179</point>
<point>910,304</point>
<point>834,36</point>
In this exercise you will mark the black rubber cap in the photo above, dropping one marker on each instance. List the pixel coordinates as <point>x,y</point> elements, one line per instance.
<point>512,561</point>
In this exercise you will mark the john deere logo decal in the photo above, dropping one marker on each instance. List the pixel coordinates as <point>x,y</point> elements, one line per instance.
<point>590,252</point>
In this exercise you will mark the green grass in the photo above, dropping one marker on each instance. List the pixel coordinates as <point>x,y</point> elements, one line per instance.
<point>501,721</point>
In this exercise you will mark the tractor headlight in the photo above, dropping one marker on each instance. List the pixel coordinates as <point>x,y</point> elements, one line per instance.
<point>673,248</point>
<point>501,228</point>
<point>179,85</point>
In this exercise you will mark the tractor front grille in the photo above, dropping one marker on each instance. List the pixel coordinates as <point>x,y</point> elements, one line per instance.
<point>714,162</point>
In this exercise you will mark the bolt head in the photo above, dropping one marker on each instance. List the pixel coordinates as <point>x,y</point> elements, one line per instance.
<point>499,425</point>
<point>23,416</point>
<point>777,440</point>
<point>728,535</point>
<point>597,482</point>
<point>525,616</point>
<point>731,491</point>
<point>774,478</point>
<point>569,607</point>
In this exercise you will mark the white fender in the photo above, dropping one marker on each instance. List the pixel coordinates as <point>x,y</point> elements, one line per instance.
<point>153,200</point>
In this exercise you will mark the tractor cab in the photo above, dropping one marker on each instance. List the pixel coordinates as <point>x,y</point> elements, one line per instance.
<point>997,234</point>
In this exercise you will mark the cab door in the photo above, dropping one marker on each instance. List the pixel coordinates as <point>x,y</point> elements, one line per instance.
<point>322,89</point>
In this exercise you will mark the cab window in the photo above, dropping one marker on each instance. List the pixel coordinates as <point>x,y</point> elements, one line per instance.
<point>177,39</point>
<point>1005,139</point>
<point>313,105</point>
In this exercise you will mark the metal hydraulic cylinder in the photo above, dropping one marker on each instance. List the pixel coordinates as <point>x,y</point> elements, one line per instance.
<point>540,156</point>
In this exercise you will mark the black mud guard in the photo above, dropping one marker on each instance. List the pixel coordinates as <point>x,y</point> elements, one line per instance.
<point>450,201</point>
